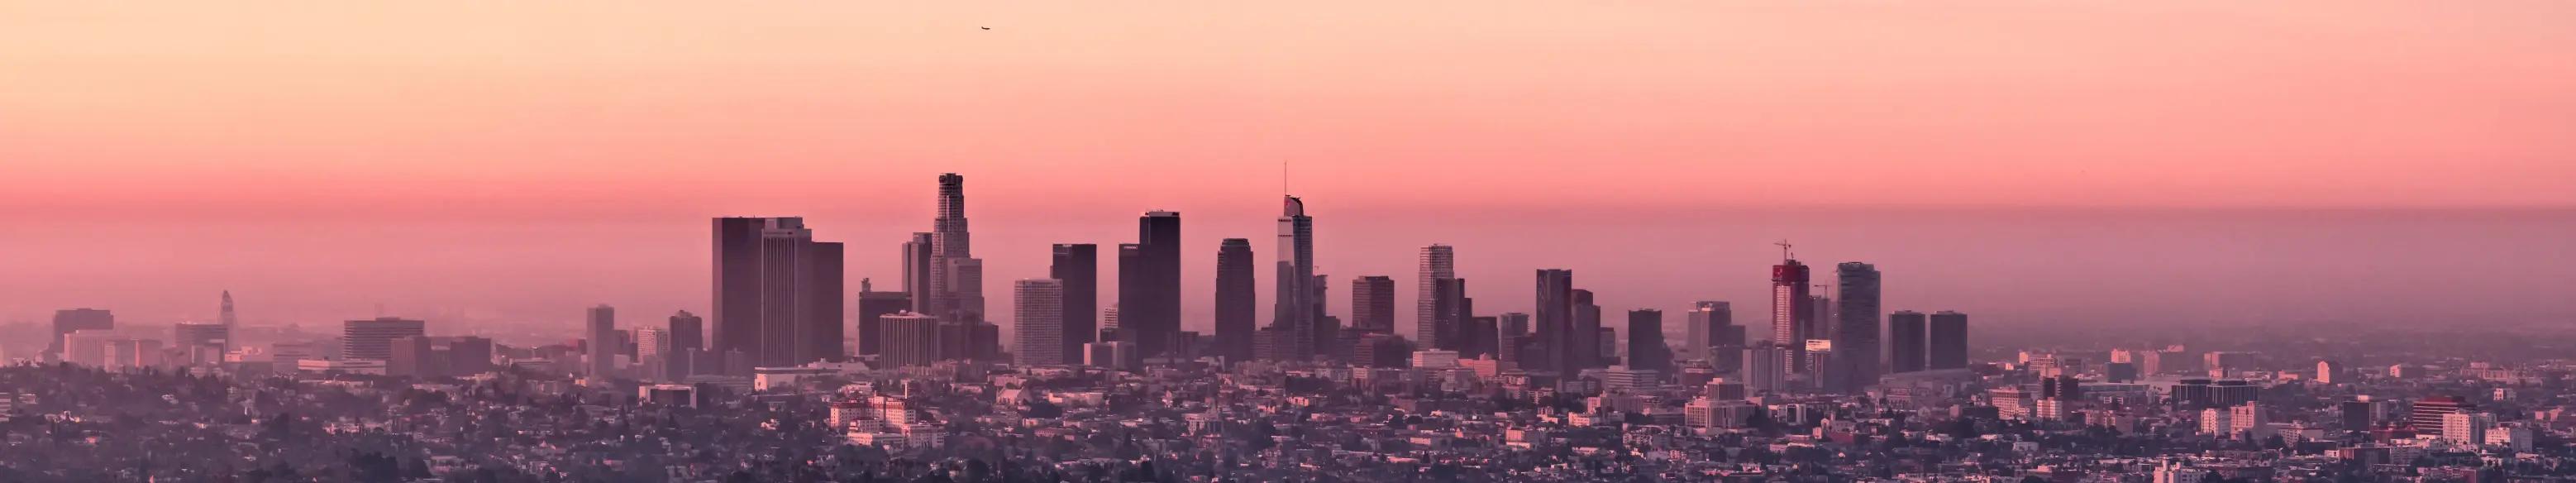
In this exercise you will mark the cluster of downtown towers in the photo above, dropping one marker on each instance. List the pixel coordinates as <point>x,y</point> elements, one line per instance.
<point>778,294</point>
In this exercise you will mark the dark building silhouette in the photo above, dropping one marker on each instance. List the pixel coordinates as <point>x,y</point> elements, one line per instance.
<point>917,256</point>
<point>373,339</point>
<point>1294,306</point>
<point>1077,265</point>
<point>1947,346</point>
<point>1587,332</point>
<point>1555,324</point>
<point>1235,307</point>
<point>777,292</point>
<point>1646,348</point>
<point>1510,329</point>
<point>688,344</point>
<point>956,277</point>
<point>1373,304</point>
<point>1481,337</point>
<point>1449,309</point>
<point>1907,339</point>
<point>67,321</point>
<point>1149,283</point>
<point>1792,314</point>
<point>911,339</point>
<point>873,307</point>
<point>1856,325</point>
<point>1438,263</point>
<point>604,339</point>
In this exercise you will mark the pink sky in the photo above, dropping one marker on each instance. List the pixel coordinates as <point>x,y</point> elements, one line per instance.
<point>178,126</point>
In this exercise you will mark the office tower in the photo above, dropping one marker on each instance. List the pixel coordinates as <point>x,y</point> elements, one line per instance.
<point>67,321</point>
<point>1762,368</point>
<point>2468,429</point>
<point>873,307</point>
<point>1906,341</point>
<point>1235,307</point>
<point>1038,322</point>
<point>1373,304</point>
<point>2426,415</point>
<point>688,344</point>
<point>652,352</point>
<point>1296,273</point>
<point>601,333</point>
<point>917,255</point>
<point>1947,346</point>
<point>911,339</point>
<point>777,292</point>
<point>1587,333</point>
<point>226,317</point>
<point>1149,282</point>
<point>1555,323</point>
<point>1480,338</point>
<point>1509,329</point>
<point>373,339</point>
<point>1792,314</point>
<point>1646,348</point>
<point>1077,266</point>
<point>1856,324</point>
<point>950,246</point>
<point>1437,263</point>
<point>1449,299</point>
<point>1708,322</point>
<point>965,290</point>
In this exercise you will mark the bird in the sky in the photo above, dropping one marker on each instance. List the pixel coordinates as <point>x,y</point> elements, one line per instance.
<point>986,28</point>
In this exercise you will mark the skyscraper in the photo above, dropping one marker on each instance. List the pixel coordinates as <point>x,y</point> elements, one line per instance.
<point>1149,283</point>
<point>917,256</point>
<point>1646,349</point>
<point>1555,320</point>
<point>1509,328</point>
<point>1711,323</point>
<point>951,251</point>
<point>1235,307</point>
<point>873,307</point>
<point>1856,324</point>
<point>1077,267</point>
<point>1906,339</point>
<point>1437,263</point>
<point>67,321</point>
<point>1792,315</point>
<point>227,318</point>
<point>1296,299</point>
<point>910,340</point>
<point>1947,346</point>
<point>1449,297</point>
<point>777,292</point>
<point>1038,322</point>
<point>687,346</point>
<point>601,333</point>
<point>1373,304</point>
<point>374,339</point>
<point>1587,333</point>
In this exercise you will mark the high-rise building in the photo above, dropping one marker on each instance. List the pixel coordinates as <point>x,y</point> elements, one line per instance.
<point>1588,340</point>
<point>951,250</point>
<point>1555,323</point>
<point>777,292</point>
<point>873,307</point>
<point>1038,322</point>
<point>1762,368</point>
<point>1149,283</point>
<point>2426,415</point>
<point>1296,288</point>
<point>1077,266</point>
<point>67,321</point>
<point>917,255</point>
<point>1373,304</point>
<point>1646,349</point>
<point>601,333</point>
<point>1432,311</point>
<point>1480,337</point>
<point>1710,322</point>
<point>1947,346</point>
<point>227,318</point>
<point>911,339</point>
<point>1509,329</point>
<point>1856,325</point>
<point>688,344</point>
<point>1450,299</point>
<point>1235,307</point>
<point>200,343</point>
<point>2466,428</point>
<point>1792,314</point>
<point>1906,338</point>
<point>374,339</point>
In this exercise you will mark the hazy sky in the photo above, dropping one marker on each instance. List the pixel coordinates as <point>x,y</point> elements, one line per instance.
<point>519,161</point>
